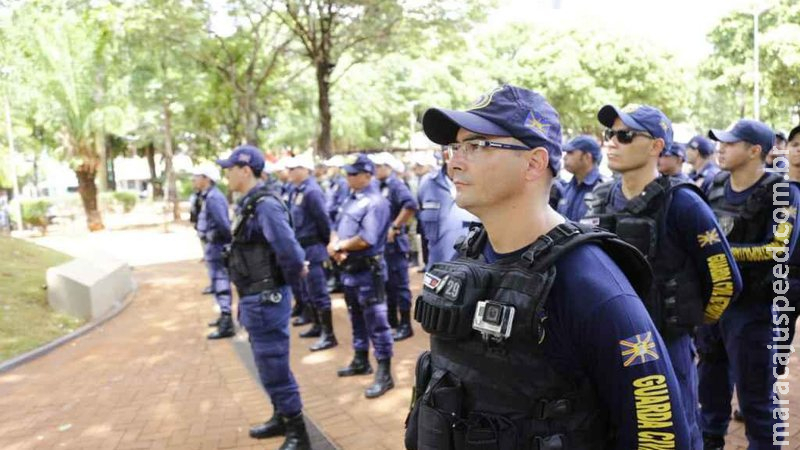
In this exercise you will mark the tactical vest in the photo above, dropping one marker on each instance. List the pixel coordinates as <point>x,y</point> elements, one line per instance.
<point>486,383</point>
<point>252,263</point>
<point>747,224</point>
<point>676,302</point>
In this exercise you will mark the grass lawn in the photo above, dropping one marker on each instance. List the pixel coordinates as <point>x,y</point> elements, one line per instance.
<point>26,319</point>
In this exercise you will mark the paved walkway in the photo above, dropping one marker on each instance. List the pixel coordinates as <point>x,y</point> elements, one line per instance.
<point>149,379</point>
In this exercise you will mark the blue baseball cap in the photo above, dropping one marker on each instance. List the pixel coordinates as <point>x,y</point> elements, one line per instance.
<point>361,164</point>
<point>640,118</point>
<point>748,130</point>
<point>506,111</point>
<point>244,155</point>
<point>702,145</point>
<point>586,144</point>
<point>677,149</point>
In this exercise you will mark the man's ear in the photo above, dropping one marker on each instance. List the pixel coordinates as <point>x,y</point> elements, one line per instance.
<point>657,147</point>
<point>538,161</point>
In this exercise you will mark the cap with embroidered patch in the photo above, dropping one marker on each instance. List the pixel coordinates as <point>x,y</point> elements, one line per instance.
<point>507,111</point>
<point>361,164</point>
<point>244,155</point>
<point>677,149</point>
<point>586,144</point>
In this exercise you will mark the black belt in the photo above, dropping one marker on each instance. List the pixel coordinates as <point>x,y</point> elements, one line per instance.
<point>356,264</point>
<point>308,241</point>
<point>256,288</point>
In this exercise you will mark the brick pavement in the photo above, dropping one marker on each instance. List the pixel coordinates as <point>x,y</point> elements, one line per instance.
<point>149,379</point>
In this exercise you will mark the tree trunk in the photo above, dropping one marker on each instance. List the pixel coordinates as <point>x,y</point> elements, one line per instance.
<point>324,87</point>
<point>172,189</point>
<point>88,192</point>
<point>102,168</point>
<point>249,119</point>
<point>158,188</point>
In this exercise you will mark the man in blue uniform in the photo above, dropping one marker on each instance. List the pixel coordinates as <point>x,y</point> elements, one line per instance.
<point>440,218</point>
<point>214,229</point>
<point>313,231</point>
<point>668,220</point>
<point>582,158</point>
<point>263,254</point>
<point>402,207</point>
<point>700,154</point>
<point>196,204</point>
<point>670,163</point>
<point>788,319</point>
<point>500,313</point>
<point>336,190</point>
<point>757,212</point>
<point>357,246</point>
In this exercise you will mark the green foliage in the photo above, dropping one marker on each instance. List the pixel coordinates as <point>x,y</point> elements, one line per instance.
<point>34,213</point>
<point>126,199</point>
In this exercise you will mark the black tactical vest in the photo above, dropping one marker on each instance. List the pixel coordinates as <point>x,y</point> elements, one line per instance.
<point>486,383</point>
<point>676,302</point>
<point>252,263</point>
<point>747,224</point>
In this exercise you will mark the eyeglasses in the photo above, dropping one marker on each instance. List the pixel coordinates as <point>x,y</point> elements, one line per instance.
<point>470,148</point>
<point>624,136</point>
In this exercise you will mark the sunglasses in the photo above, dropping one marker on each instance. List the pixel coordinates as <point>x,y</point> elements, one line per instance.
<point>624,136</point>
<point>470,148</point>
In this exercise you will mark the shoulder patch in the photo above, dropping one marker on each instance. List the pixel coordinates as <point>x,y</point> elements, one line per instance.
<point>638,349</point>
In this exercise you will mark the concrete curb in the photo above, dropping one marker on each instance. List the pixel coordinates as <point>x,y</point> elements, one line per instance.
<point>52,345</point>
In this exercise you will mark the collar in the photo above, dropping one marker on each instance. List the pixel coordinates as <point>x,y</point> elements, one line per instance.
<point>591,178</point>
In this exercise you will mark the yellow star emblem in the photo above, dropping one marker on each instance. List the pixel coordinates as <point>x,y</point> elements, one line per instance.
<point>791,212</point>
<point>638,349</point>
<point>710,237</point>
<point>533,122</point>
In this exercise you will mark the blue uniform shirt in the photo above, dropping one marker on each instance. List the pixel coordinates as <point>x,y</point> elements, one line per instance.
<point>690,225</point>
<point>759,254</point>
<point>310,218</point>
<point>572,204</point>
<point>364,214</point>
<point>336,195</point>
<point>442,221</point>
<point>592,336</point>
<point>707,173</point>
<point>399,197</point>
<point>213,223</point>
<point>270,219</point>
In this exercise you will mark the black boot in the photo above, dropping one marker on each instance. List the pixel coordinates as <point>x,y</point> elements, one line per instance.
<point>358,366</point>
<point>304,318</point>
<point>383,379</point>
<point>327,339</point>
<point>316,329</point>
<point>391,311</point>
<point>225,328</point>
<point>297,309</point>
<point>296,434</point>
<point>275,426</point>
<point>216,322</point>
<point>712,442</point>
<point>404,330</point>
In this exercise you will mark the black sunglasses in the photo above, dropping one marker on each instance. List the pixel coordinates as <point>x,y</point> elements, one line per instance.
<point>624,136</point>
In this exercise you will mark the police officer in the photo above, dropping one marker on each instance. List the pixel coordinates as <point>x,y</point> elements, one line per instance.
<point>214,229</point>
<point>538,339</point>
<point>357,246</point>
<point>582,158</point>
<point>313,230</point>
<point>263,252</point>
<point>196,204</point>
<point>778,148</point>
<point>402,207</point>
<point>738,349</point>
<point>337,191</point>
<point>789,320</point>
<point>670,162</point>
<point>440,218</point>
<point>668,220</point>
<point>700,154</point>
